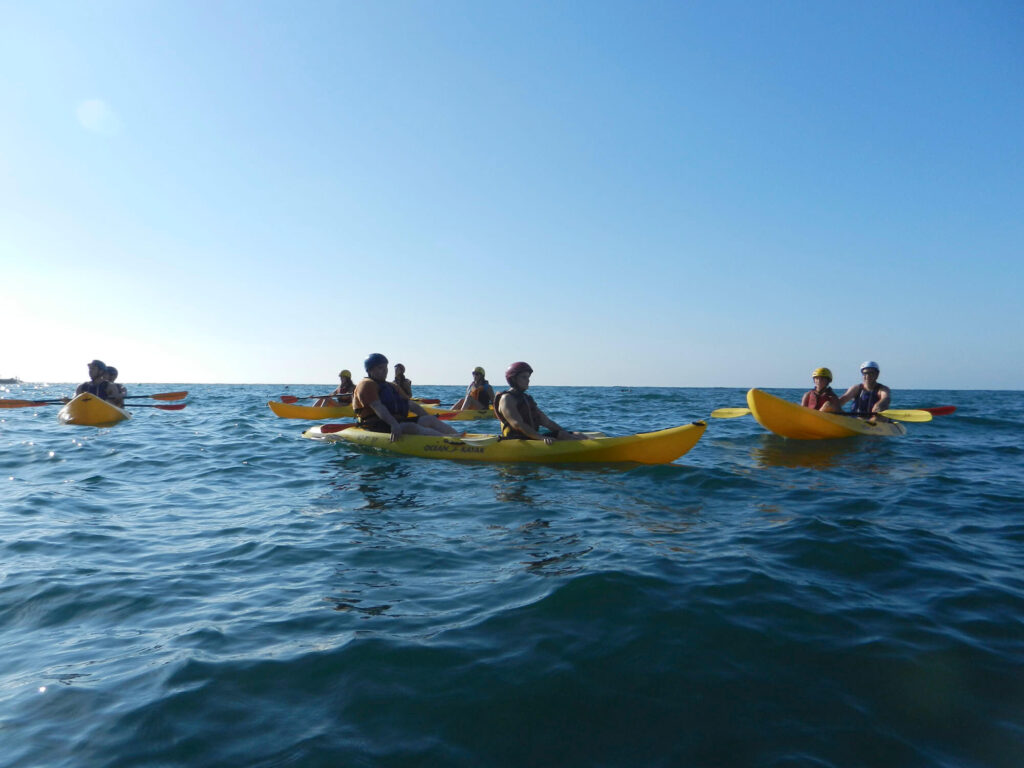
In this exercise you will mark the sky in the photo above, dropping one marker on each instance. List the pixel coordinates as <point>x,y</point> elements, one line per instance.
<point>670,194</point>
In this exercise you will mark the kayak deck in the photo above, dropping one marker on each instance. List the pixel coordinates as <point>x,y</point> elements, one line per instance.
<point>311,412</point>
<point>660,447</point>
<point>796,422</point>
<point>90,411</point>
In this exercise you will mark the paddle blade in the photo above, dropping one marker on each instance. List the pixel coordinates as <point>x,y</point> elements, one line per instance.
<point>729,413</point>
<point>166,395</point>
<point>427,400</point>
<point>289,399</point>
<point>942,410</point>
<point>327,429</point>
<point>177,407</point>
<point>27,403</point>
<point>908,415</point>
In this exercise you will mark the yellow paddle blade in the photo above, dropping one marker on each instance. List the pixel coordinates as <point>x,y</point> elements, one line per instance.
<point>907,415</point>
<point>729,413</point>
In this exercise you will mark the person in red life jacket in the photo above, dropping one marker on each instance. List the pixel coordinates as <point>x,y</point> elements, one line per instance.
<point>380,407</point>
<point>518,413</point>
<point>869,397</point>
<point>404,385</point>
<point>479,394</point>
<point>342,394</point>
<point>821,398</point>
<point>122,391</point>
<point>97,384</point>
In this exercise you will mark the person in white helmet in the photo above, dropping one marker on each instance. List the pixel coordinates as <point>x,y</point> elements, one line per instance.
<point>869,397</point>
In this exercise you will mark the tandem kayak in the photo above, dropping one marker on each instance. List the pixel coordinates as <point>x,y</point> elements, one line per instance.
<point>294,411</point>
<point>793,420</point>
<point>90,411</point>
<point>659,447</point>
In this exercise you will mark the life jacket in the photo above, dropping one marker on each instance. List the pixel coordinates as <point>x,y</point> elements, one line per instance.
<point>389,397</point>
<point>481,394</point>
<point>97,388</point>
<point>528,411</point>
<point>865,400</point>
<point>817,399</point>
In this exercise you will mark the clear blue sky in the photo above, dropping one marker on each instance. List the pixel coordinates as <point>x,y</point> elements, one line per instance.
<point>628,193</point>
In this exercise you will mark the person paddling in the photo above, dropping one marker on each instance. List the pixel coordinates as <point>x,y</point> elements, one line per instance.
<point>97,384</point>
<point>518,413</point>
<point>869,397</point>
<point>404,385</point>
<point>122,392</point>
<point>821,398</point>
<point>381,407</point>
<point>479,394</point>
<point>342,394</point>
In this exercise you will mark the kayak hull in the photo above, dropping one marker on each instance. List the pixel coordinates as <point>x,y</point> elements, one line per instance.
<point>796,422</point>
<point>90,411</point>
<point>659,447</point>
<point>311,412</point>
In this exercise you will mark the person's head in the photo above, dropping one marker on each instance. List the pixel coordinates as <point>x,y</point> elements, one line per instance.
<point>869,369</point>
<point>478,373</point>
<point>822,377</point>
<point>345,375</point>
<point>518,375</point>
<point>376,366</point>
<point>111,373</point>
<point>96,368</point>
<point>399,369</point>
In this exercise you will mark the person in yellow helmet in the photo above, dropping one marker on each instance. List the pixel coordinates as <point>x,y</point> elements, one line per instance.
<point>821,398</point>
<point>342,395</point>
<point>479,393</point>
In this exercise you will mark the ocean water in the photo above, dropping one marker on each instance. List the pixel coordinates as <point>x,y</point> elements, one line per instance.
<point>206,588</point>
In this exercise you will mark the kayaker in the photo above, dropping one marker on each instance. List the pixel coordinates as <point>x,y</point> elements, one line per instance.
<point>342,394</point>
<point>821,398</point>
<point>122,392</point>
<point>380,407</point>
<point>97,384</point>
<point>403,384</point>
<point>869,397</point>
<point>518,413</point>
<point>479,394</point>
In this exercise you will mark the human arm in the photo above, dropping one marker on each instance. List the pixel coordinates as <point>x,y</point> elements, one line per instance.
<point>849,395</point>
<point>884,397</point>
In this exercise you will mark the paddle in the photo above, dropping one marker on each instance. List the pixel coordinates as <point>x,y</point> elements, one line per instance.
<point>327,429</point>
<point>161,396</point>
<point>294,399</point>
<point>942,410</point>
<point>176,407</point>
<point>27,403</point>
<point>916,414</point>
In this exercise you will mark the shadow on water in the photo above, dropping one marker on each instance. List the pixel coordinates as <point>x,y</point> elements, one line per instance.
<point>776,451</point>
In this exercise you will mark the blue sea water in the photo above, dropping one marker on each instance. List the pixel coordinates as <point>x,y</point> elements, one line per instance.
<point>205,588</point>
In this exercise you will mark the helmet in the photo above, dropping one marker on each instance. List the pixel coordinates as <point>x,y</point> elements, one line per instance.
<point>99,364</point>
<point>347,374</point>
<point>822,372</point>
<point>375,359</point>
<point>515,369</point>
<point>112,371</point>
<point>869,364</point>
<point>479,370</point>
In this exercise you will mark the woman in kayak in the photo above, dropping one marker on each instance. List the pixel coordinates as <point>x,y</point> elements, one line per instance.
<point>380,407</point>
<point>821,398</point>
<point>869,397</point>
<point>404,385</point>
<point>342,394</point>
<point>122,391</point>
<point>518,413</point>
<point>479,394</point>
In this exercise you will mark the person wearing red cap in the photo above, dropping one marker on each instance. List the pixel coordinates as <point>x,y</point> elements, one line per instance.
<point>518,413</point>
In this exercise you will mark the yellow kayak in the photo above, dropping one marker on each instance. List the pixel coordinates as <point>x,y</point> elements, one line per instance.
<point>659,447</point>
<point>792,420</point>
<point>467,415</point>
<point>295,411</point>
<point>90,411</point>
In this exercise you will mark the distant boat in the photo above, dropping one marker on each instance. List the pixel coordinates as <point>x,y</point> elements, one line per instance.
<point>15,380</point>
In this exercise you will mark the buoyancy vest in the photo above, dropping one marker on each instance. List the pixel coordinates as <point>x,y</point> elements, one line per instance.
<point>817,399</point>
<point>97,388</point>
<point>481,394</point>
<point>528,412</point>
<point>389,397</point>
<point>865,400</point>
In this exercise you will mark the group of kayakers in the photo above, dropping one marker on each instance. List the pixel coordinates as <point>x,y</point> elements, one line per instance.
<point>869,397</point>
<point>103,384</point>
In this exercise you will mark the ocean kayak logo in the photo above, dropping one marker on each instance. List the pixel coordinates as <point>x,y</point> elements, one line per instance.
<point>453,447</point>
